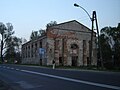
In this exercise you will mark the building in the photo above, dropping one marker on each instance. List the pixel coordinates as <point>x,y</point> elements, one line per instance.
<point>67,43</point>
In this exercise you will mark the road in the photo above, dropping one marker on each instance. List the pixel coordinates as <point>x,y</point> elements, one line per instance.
<point>22,77</point>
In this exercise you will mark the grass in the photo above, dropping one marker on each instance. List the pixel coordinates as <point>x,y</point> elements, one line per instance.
<point>115,69</point>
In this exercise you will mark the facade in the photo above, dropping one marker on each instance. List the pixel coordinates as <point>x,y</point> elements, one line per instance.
<point>67,43</point>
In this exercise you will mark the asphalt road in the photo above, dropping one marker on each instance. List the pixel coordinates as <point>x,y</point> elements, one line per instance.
<point>22,77</point>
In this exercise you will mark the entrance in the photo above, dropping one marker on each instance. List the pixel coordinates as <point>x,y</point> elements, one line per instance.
<point>74,60</point>
<point>40,61</point>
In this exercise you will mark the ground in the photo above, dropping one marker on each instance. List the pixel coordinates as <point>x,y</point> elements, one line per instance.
<point>4,86</point>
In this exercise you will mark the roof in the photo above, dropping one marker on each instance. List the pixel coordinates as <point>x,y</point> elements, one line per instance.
<point>61,26</point>
<point>72,21</point>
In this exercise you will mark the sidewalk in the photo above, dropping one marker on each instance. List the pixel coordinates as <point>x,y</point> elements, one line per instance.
<point>4,86</point>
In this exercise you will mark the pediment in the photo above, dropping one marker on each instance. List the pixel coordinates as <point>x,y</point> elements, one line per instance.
<point>72,25</point>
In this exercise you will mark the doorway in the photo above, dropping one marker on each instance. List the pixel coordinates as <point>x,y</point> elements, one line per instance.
<point>40,61</point>
<point>74,60</point>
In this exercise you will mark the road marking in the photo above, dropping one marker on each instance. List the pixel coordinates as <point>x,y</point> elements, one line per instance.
<point>17,69</point>
<point>74,80</point>
<point>4,66</point>
<point>12,68</point>
<point>8,67</point>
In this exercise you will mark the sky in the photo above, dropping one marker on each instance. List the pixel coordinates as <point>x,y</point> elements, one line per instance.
<point>32,15</point>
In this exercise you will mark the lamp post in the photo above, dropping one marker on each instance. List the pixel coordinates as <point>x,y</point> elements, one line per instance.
<point>76,5</point>
<point>93,18</point>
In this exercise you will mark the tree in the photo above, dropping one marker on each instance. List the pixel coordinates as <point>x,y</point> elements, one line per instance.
<point>52,23</point>
<point>6,32</point>
<point>42,32</point>
<point>110,45</point>
<point>23,40</point>
<point>13,52</point>
<point>36,34</point>
<point>117,46</point>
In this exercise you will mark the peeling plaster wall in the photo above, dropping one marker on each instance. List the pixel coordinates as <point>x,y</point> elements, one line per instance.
<point>30,52</point>
<point>57,43</point>
<point>72,33</point>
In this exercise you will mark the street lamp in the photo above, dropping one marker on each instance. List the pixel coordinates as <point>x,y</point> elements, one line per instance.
<point>94,17</point>
<point>76,5</point>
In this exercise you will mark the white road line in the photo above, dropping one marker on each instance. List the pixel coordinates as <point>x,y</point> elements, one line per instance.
<point>11,68</point>
<point>17,69</point>
<point>8,67</point>
<point>4,66</point>
<point>74,80</point>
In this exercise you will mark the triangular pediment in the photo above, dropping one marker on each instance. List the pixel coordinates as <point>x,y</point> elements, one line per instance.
<point>72,25</point>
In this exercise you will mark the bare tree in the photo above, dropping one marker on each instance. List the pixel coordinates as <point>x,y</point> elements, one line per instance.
<point>6,32</point>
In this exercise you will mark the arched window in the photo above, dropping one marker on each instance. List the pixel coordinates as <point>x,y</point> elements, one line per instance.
<point>74,46</point>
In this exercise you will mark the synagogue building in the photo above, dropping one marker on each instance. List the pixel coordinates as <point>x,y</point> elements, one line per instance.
<point>67,43</point>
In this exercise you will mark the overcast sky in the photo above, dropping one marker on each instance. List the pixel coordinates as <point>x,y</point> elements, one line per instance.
<point>30,15</point>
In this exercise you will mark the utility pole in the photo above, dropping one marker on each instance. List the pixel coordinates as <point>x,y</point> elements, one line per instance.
<point>99,46</point>
<point>63,51</point>
<point>94,18</point>
<point>91,42</point>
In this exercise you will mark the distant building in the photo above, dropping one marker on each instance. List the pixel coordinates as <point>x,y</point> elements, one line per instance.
<point>67,43</point>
